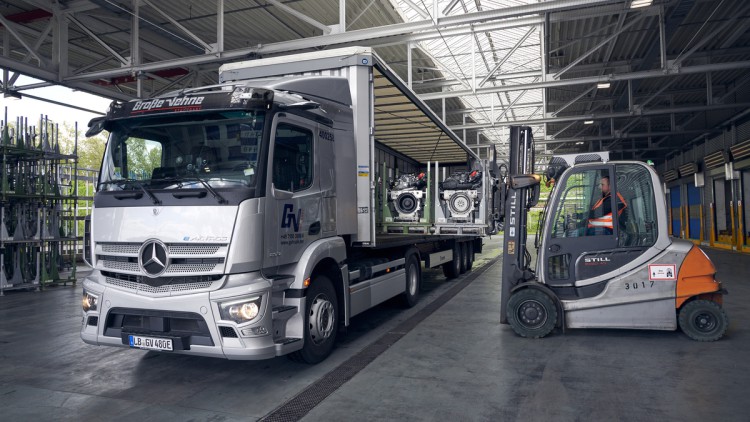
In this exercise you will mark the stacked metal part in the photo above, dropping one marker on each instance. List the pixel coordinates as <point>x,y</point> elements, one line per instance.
<point>38,236</point>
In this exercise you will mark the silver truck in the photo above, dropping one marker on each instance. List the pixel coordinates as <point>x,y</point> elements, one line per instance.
<point>244,220</point>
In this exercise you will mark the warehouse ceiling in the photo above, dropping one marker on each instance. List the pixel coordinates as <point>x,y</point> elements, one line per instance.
<point>640,79</point>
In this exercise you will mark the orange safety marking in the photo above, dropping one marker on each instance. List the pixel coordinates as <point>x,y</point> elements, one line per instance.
<point>696,276</point>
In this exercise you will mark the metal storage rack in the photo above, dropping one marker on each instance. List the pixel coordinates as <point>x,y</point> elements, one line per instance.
<point>38,207</point>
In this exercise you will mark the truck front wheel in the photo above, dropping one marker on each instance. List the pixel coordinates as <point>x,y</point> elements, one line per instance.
<point>321,321</point>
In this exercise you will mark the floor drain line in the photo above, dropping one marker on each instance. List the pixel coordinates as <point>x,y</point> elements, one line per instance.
<point>298,406</point>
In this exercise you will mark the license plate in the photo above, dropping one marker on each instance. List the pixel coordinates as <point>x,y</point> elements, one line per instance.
<point>150,343</point>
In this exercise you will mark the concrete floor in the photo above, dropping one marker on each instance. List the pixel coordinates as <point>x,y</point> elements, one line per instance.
<point>456,363</point>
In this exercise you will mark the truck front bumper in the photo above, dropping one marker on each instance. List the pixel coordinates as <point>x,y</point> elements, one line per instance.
<point>191,321</point>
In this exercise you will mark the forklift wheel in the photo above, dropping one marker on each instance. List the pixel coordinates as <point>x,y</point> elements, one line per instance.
<point>703,320</point>
<point>531,313</point>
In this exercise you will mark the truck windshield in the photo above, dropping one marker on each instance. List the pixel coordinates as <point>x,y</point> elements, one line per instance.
<point>218,149</point>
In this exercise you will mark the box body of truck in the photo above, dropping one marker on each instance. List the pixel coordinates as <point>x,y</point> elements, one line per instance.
<point>241,220</point>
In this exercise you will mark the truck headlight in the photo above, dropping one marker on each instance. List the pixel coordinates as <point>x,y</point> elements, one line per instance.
<point>89,301</point>
<point>241,310</point>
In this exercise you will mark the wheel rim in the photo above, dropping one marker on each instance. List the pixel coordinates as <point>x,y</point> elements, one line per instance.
<point>532,314</point>
<point>322,319</point>
<point>705,322</point>
<point>412,280</point>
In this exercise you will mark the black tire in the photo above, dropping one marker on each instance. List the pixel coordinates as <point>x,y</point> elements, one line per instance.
<point>531,313</point>
<point>469,255</point>
<point>452,269</point>
<point>413,268</point>
<point>703,320</point>
<point>321,322</point>
<point>462,261</point>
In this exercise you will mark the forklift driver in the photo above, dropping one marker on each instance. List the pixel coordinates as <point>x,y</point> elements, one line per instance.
<point>600,216</point>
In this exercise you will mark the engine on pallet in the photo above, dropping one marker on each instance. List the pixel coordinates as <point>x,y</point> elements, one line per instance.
<point>406,197</point>
<point>461,194</point>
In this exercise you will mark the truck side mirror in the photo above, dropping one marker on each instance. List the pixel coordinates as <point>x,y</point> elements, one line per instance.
<point>96,126</point>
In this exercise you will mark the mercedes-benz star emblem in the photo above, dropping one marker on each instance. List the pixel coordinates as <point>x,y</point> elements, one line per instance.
<point>153,258</point>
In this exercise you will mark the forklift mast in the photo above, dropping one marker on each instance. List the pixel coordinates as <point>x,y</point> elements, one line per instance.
<point>520,192</point>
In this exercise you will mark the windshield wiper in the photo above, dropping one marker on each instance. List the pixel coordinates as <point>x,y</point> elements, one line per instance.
<point>208,187</point>
<point>138,185</point>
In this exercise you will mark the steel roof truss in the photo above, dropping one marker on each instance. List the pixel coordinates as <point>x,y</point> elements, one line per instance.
<point>740,14</point>
<point>507,56</point>
<point>179,26</point>
<point>301,16</point>
<point>612,37</point>
<point>99,41</point>
<point>11,27</point>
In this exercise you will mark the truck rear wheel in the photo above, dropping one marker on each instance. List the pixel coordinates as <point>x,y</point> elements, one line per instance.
<point>531,313</point>
<point>703,320</point>
<point>469,255</point>
<point>413,280</point>
<point>452,269</point>
<point>321,322</point>
<point>463,259</point>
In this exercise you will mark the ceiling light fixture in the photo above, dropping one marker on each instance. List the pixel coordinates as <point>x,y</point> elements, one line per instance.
<point>635,4</point>
<point>588,122</point>
<point>603,85</point>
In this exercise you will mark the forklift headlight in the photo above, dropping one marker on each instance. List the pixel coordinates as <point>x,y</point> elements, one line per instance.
<point>89,301</point>
<point>240,311</point>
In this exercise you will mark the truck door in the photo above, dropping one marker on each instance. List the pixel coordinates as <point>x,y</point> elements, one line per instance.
<point>581,224</point>
<point>294,198</point>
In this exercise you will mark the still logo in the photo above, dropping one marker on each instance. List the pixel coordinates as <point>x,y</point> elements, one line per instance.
<point>596,260</point>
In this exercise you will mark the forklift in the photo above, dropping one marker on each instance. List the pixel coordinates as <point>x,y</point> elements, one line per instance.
<point>604,256</point>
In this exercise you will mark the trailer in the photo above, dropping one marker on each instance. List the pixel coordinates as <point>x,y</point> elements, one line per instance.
<point>252,219</point>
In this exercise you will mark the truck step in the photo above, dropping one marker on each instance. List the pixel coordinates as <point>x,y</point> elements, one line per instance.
<point>287,345</point>
<point>283,312</point>
<point>286,340</point>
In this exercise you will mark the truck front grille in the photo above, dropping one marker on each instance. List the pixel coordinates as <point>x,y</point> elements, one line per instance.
<point>186,259</point>
<point>191,268</point>
<point>180,249</point>
<point>193,249</point>
<point>160,285</point>
<point>121,248</point>
<point>120,266</point>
